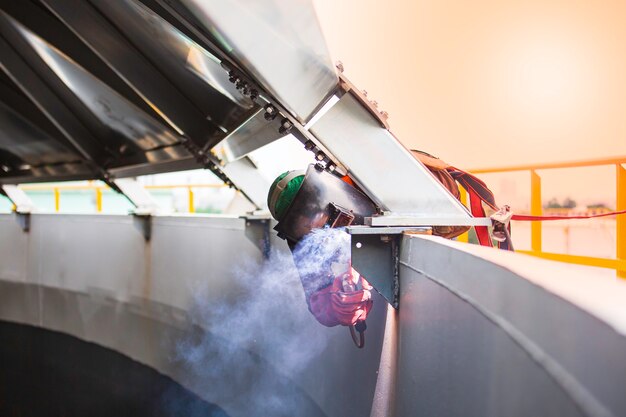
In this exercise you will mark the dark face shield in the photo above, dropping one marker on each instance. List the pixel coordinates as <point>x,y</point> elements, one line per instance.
<point>323,200</point>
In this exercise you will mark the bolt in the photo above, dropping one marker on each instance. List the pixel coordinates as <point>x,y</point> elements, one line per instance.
<point>285,126</point>
<point>254,94</point>
<point>339,66</point>
<point>320,156</point>
<point>270,112</point>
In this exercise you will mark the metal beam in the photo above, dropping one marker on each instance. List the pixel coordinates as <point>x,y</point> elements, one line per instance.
<point>382,166</point>
<point>37,81</point>
<point>16,100</point>
<point>246,177</point>
<point>284,52</point>
<point>37,18</point>
<point>93,24</point>
<point>23,203</point>
<point>145,204</point>
<point>253,134</point>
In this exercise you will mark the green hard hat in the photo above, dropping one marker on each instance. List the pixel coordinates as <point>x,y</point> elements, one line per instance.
<point>283,191</point>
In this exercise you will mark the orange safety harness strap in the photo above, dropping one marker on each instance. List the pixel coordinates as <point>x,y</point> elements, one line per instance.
<point>479,193</point>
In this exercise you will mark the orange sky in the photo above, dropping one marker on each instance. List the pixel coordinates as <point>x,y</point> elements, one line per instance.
<point>491,83</point>
<point>543,79</point>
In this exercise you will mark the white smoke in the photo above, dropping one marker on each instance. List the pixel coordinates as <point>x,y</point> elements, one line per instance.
<point>259,340</point>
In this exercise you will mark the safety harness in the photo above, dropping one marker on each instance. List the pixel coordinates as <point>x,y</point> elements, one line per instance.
<point>345,299</point>
<point>479,197</point>
<point>479,194</point>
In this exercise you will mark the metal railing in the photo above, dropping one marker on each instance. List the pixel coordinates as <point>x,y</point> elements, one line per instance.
<point>619,263</point>
<point>98,189</point>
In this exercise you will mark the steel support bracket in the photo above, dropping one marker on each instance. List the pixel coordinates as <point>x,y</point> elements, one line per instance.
<point>23,219</point>
<point>143,222</point>
<point>145,204</point>
<point>361,96</point>
<point>375,255</point>
<point>258,232</point>
<point>23,205</point>
<point>22,202</point>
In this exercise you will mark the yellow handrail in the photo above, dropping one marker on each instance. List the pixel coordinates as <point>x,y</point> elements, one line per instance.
<point>555,165</point>
<point>620,250</point>
<point>619,264</point>
<point>74,187</point>
<point>98,188</point>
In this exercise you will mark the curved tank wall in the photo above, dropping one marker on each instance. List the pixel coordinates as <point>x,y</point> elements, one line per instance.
<point>487,333</point>
<point>479,332</point>
<point>191,303</point>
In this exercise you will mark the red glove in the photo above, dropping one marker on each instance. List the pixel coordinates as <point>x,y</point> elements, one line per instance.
<point>340,302</point>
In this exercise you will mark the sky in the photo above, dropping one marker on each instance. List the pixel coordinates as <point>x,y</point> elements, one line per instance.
<point>493,83</point>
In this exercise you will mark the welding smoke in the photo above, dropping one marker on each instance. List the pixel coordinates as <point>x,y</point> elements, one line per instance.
<point>251,345</point>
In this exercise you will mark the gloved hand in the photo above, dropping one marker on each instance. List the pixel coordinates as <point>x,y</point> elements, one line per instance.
<point>347,300</point>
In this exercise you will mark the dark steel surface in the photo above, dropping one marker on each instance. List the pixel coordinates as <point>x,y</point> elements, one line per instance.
<point>26,69</point>
<point>108,89</point>
<point>27,143</point>
<point>151,57</point>
<point>120,117</point>
<point>37,17</point>
<point>38,378</point>
<point>376,258</point>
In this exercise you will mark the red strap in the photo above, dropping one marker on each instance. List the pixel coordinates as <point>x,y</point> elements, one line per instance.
<point>476,207</point>
<point>472,183</point>
<point>479,193</point>
<point>469,181</point>
<point>528,218</point>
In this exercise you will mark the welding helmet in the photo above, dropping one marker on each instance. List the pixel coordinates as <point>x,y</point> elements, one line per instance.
<point>315,200</point>
<point>283,191</point>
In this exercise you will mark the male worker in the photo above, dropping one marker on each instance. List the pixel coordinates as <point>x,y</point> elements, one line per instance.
<point>335,292</point>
